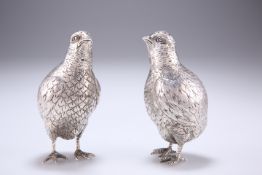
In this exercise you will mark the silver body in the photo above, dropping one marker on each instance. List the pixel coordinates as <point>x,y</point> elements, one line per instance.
<point>175,97</point>
<point>177,103</point>
<point>69,94</point>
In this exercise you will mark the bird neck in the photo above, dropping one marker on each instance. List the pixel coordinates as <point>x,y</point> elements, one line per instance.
<point>164,58</point>
<point>79,60</point>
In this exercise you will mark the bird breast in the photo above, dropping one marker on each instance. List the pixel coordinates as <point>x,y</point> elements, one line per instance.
<point>66,98</point>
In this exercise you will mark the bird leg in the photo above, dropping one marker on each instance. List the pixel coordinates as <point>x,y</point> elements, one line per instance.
<point>176,158</point>
<point>163,153</point>
<point>79,154</point>
<point>54,155</point>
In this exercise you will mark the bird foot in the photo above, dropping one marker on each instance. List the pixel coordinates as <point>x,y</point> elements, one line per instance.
<point>163,153</point>
<point>159,151</point>
<point>54,156</point>
<point>175,161</point>
<point>167,156</point>
<point>172,159</point>
<point>83,155</point>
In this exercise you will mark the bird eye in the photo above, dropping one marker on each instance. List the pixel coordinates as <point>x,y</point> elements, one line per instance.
<point>76,38</point>
<point>160,40</point>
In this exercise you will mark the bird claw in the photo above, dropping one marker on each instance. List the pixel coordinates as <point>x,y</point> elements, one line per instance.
<point>79,154</point>
<point>165,159</point>
<point>164,153</point>
<point>175,160</point>
<point>168,153</point>
<point>167,156</point>
<point>159,151</point>
<point>54,156</point>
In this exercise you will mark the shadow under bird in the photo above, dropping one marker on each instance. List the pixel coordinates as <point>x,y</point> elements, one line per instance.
<point>175,97</point>
<point>69,94</point>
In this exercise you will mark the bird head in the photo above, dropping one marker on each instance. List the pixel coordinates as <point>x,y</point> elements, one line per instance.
<point>159,40</point>
<point>161,49</point>
<point>80,48</point>
<point>80,38</point>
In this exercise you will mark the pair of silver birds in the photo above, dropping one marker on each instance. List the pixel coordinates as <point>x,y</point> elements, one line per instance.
<point>175,98</point>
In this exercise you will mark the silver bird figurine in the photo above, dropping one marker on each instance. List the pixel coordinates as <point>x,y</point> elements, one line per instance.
<point>175,98</point>
<point>69,94</point>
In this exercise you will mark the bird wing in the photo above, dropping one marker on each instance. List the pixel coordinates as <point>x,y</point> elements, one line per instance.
<point>97,83</point>
<point>177,97</point>
<point>50,91</point>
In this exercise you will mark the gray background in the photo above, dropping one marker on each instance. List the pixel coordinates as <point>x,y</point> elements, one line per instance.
<point>220,41</point>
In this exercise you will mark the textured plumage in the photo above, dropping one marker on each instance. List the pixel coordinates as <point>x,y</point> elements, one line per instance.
<point>69,94</point>
<point>175,98</point>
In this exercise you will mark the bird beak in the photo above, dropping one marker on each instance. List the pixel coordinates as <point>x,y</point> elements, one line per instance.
<point>81,42</point>
<point>147,40</point>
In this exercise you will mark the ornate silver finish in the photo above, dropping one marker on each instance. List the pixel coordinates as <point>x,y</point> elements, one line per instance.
<point>175,98</point>
<point>69,94</point>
